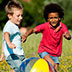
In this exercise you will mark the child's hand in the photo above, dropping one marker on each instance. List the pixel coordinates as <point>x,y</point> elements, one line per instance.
<point>2,57</point>
<point>67,36</point>
<point>23,38</point>
<point>11,45</point>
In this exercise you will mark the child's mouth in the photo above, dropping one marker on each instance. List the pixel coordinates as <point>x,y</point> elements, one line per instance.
<point>53,22</point>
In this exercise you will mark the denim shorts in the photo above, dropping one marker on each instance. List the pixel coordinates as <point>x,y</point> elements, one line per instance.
<point>14,61</point>
<point>55,59</point>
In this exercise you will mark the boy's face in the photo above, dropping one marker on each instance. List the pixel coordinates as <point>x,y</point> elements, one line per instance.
<point>16,17</point>
<point>53,18</point>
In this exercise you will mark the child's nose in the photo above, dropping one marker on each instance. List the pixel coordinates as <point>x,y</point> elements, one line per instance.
<point>53,19</point>
<point>20,17</point>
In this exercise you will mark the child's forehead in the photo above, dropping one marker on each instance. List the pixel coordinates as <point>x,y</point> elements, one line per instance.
<point>53,13</point>
<point>14,10</point>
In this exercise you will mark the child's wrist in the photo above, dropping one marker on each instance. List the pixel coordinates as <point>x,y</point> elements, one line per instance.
<point>8,43</point>
<point>25,36</point>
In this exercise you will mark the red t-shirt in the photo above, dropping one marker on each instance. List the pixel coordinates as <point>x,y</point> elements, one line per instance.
<point>52,40</point>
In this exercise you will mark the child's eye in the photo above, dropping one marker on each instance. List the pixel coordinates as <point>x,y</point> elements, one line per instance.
<point>56,17</point>
<point>50,17</point>
<point>18,15</point>
<point>53,17</point>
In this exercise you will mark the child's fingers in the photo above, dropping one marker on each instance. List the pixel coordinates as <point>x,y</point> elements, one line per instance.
<point>12,46</point>
<point>23,39</point>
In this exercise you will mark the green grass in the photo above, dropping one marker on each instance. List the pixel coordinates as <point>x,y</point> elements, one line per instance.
<point>30,48</point>
<point>0,40</point>
<point>31,45</point>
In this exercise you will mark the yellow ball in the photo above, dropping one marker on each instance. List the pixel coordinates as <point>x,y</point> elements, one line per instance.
<point>40,66</point>
<point>35,64</point>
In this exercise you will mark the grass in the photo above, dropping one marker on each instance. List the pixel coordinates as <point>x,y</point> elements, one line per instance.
<point>0,40</point>
<point>30,48</point>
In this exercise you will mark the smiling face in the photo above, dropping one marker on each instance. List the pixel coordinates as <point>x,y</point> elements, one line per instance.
<point>53,18</point>
<point>16,17</point>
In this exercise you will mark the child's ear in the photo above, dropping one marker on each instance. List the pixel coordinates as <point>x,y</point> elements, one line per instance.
<point>9,16</point>
<point>48,19</point>
<point>59,18</point>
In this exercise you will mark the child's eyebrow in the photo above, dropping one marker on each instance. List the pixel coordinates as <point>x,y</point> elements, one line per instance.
<point>53,17</point>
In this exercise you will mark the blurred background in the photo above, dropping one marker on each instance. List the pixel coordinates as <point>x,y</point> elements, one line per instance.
<point>33,12</point>
<point>33,16</point>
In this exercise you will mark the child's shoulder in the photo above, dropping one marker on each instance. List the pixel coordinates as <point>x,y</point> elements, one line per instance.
<point>8,25</point>
<point>46,23</point>
<point>62,24</point>
<point>43,25</point>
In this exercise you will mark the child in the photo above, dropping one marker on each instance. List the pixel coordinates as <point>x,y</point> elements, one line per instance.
<point>13,51</point>
<point>23,30</point>
<point>50,47</point>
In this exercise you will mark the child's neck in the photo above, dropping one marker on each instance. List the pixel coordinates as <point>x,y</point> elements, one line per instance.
<point>57,25</point>
<point>14,23</point>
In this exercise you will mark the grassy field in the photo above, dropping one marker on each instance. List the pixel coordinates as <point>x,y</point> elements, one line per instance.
<point>31,46</point>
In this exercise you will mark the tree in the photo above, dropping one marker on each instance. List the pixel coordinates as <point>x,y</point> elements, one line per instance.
<point>3,17</point>
<point>67,5</point>
<point>33,12</point>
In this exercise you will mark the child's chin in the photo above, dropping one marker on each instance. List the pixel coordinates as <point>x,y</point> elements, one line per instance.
<point>53,25</point>
<point>18,23</point>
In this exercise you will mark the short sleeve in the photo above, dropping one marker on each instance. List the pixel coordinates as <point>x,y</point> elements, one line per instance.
<point>65,29</point>
<point>40,28</point>
<point>7,29</point>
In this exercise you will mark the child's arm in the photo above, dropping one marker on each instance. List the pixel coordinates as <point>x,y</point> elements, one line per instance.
<point>29,32</point>
<point>67,36</point>
<point>2,54</point>
<point>7,39</point>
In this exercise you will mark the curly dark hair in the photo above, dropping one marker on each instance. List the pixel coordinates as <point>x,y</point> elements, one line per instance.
<point>53,7</point>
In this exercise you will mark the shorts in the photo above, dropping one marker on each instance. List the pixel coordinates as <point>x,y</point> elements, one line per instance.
<point>14,61</point>
<point>55,59</point>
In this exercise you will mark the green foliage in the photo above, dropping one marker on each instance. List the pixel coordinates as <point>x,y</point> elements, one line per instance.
<point>31,47</point>
<point>3,17</point>
<point>67,5</point>
<point>33,12</point>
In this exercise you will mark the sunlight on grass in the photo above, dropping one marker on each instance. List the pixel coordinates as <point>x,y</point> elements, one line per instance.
<point>30,48</point>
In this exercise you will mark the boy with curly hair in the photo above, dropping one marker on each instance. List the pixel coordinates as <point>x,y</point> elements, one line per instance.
<point>53,29</point>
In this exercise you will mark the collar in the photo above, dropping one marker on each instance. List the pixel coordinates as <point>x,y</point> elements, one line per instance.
<point>54,28</point>
<point>13,23</point>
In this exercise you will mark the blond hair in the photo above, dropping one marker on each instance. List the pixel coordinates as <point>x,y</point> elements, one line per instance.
<point>11,5</point>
